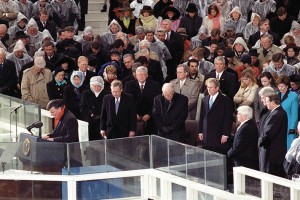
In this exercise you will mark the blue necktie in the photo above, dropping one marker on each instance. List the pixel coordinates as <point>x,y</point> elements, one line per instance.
<point>117,105</point>
<point>210,102</point>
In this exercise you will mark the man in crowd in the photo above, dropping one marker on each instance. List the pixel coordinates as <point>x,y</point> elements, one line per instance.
<point>170,111</point>
<point>216,118</point>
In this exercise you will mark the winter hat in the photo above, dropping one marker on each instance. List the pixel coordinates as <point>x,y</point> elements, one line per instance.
<point>97,80</point>
<point>39,62</point>
<point>246,59</point>
<point>192,8</point>
<point>88,31</point>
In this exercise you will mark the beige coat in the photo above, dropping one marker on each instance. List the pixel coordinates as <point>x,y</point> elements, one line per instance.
<point>274,49</point>
<point>34,86</point>
<point>245,96</point>
<point>190,89</point>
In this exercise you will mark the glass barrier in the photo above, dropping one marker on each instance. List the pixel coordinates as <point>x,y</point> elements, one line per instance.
<point>10,116</point>
<point>189,162</point>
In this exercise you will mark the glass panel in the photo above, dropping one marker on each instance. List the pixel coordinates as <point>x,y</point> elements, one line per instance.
<point>204,196</point>
<point>160,153</point>
<point>195,164</point>
<point>215,170</point>
<point>128,153</point>
<point>177,159</point>
<point>253,186</point>
<point>24,116</point>
<point>281,192</point>
<point>27,190</point>
<point>109,189</point>
<point>178,192</point>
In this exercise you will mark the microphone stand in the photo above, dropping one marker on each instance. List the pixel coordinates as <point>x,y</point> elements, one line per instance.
<point>15,110</point>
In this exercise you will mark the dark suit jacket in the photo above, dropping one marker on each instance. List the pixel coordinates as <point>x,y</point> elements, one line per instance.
<point>51,63</point>
<point>256,36</point>
<point>66,129</point>
<point>143,101</point>
<point>154,70</point>
<point>172,118</point>
<point>118,125</point>
<point>176,47</point>
<point>50,26</point>
<point>8,77</point>
<point>228,83</point>
<point>274,128</point>
<point>55,91</point>
<point>215,122</point>
<point>72,100</point>
<point>90,104</point>
<point>88,76</point>
<point>244,148</point>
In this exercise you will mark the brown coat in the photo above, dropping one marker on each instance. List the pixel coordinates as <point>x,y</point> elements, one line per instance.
<point>34,86</point>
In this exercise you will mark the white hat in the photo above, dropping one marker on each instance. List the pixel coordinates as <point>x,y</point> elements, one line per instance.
<point>39,62</point>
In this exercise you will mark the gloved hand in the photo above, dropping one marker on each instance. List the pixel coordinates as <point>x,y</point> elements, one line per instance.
<point>292,131</point>
<point>264,141</point>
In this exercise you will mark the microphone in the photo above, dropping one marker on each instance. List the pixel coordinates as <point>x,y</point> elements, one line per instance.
<point>37,124</point>
<point>16,108</point>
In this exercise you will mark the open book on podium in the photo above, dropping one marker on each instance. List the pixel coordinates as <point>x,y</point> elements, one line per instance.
<point>40,152</point>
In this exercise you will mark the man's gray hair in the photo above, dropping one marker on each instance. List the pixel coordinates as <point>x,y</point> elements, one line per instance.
<point>265,91</point>
<point>142,69</point>
<point>144,43</point>
<point>246,111</point>
<point>185,68</point>
<point>139,29</point>
<point>220,58</point>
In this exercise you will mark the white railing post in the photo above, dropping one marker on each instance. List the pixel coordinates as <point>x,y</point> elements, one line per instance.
<point>295,195</point>
<point>191,194</point>
<point>165,189</point>
<point>145,186</point>
<point>239,182</point>
<point>72,191</point>
<point>266,190</point>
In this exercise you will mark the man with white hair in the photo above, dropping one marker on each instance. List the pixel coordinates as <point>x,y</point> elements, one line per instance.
<point>34,82</point>
<point>244,148</point>
<point>170,111</point>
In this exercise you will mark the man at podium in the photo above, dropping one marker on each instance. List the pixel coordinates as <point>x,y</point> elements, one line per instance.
<point>65,123</point>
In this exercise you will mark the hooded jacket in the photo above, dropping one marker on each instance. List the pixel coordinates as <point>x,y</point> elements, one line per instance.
<point>239,24</point>
<point>250,28</point>
<point>110,37</point>
<point>15,28</point>
<point>34,39</point>
<point>264,8</point>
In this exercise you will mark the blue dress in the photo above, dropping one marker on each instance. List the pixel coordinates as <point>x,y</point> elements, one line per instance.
<point>289,102</point>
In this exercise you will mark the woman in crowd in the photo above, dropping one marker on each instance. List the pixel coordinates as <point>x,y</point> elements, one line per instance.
<point>91,104</point>
<point>291,53</point>
<point>147,19</point>
<point>68,65</point>
<point>73,92</point>
<point>289,102</point>
<point>265,80</point>
<point>246,60</point>
<point>246,93</point>
<point>235,19</point>
<point>55,88</point>
<point>213,19</point>
<point>127,20</point>
<point>171,13</point>
<point>252,26</point>
<point>109,75</point>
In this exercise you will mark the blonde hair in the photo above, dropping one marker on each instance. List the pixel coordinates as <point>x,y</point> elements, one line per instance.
<point>248,73</point>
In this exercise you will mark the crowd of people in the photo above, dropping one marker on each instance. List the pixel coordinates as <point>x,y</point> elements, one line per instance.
<point>231,65</point>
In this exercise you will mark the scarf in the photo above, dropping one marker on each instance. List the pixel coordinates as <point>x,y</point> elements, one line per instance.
<point>126,22</point>
<point>57,119</point>
<point>60,83</point>
<point>149,22</point>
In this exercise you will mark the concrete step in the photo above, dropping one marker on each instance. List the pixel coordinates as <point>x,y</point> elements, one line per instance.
<point>96,23</point>
<point>95,6</point>
<point>100,31</point>
<point>96,15</point>
<point>97,1</point>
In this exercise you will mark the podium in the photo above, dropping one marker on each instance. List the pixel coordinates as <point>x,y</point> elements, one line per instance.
<point>38,152</point>
<point>38,156</point>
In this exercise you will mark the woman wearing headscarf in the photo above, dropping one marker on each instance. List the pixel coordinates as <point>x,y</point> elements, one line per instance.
<point>213,19</point>
<point>252,27</point>
<point>235,19</point>
<point>110,36</point>
<point>55,88</point>
<point>72,93</point>
<point>91,104</point>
